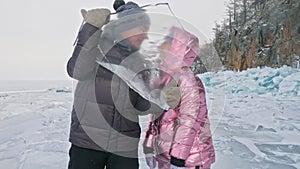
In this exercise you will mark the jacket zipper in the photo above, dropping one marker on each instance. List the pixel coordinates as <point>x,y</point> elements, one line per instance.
<point>112,128</point>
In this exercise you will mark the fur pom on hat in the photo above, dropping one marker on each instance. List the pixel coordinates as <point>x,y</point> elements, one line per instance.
<point>118,3</point>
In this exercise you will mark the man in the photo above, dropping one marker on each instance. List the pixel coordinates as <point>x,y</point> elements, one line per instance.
<point>104,125</point>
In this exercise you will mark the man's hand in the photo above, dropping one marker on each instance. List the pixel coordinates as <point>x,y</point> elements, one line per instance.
<point>171,93</point>
<point>96,17</point>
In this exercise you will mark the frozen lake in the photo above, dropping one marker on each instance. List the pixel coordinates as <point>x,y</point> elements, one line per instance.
<point>254,114</point>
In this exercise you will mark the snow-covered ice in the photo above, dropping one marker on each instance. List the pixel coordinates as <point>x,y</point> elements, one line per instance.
<point>34,125</point>
<point>255,120</point>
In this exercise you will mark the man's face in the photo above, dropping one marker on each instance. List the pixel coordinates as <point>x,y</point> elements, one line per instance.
<point>136,35</point>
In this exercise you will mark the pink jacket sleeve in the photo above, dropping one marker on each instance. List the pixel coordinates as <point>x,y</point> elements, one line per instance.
<point>149,136</point>
<point>192,114</point>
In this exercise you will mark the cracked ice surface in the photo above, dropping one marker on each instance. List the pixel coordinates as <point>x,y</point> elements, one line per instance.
<point>254,117</point>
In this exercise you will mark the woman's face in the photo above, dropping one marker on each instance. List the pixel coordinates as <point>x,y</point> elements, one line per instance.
<point>164,48</point>
<point>169,59</point>
<point>136,35</point>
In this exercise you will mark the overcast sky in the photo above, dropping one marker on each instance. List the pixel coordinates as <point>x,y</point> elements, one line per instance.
<point>36,36</point>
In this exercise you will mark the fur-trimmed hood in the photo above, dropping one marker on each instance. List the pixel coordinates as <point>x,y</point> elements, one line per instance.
<point>184,48</point>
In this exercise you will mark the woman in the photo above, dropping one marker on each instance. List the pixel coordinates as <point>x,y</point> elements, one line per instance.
<point>181,137</point>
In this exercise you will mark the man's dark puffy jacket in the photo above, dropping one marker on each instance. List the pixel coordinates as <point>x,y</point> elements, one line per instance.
<point>105,110</point>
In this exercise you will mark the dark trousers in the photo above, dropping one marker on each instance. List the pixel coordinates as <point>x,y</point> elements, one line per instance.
<point>82,158</point>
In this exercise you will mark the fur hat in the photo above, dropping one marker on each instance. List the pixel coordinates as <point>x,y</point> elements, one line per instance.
<point>130,15</point>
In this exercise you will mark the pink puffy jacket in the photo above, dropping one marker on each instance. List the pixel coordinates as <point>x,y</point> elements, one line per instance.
<point>184,132</point>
